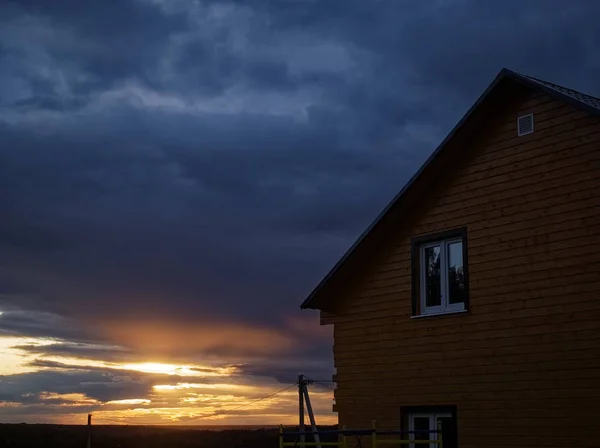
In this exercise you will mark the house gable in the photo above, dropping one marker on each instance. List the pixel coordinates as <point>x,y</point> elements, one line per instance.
<point>511,93</point>
<point>524,361</point>
<point>513,194</point>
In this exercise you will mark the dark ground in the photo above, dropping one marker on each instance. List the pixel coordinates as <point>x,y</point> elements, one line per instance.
<point>67,436</point>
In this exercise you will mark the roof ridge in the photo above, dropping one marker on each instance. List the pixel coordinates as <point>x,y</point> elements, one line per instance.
<point>586,98</point>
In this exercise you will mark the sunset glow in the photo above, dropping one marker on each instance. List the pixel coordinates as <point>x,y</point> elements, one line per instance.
<point>172,369</point>
<point>15,360</point>
<point>130,401</point>
<point>180,386</point>
<point>149,392</point>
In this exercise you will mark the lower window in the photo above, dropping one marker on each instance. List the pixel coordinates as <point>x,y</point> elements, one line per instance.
<point>423,422</point>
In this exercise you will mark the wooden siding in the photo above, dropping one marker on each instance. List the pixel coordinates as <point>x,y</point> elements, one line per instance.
<point>523,365</point>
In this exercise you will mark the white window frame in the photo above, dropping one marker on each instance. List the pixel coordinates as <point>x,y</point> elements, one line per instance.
<point>445,307</point>
<point>433,416</point>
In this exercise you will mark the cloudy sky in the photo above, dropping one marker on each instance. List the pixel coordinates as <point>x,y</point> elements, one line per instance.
<point>177,175</point>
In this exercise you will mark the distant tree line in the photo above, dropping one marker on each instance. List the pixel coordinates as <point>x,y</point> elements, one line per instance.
<point>65,436</point>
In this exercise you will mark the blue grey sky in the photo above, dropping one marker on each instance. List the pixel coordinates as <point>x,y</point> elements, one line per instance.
<point>177,175</point>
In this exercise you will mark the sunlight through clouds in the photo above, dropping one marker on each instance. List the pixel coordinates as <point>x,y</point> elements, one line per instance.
<point>72,399</point>
<point>130,401</point>
<point>204,409</point>
<point>143,392</point>
<point>172,369</point>
<point>179,386</point>
<point>15,360</point>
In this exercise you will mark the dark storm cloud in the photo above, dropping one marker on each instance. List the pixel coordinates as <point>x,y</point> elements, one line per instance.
<point>16,322</point>
<point>28,388</point>
<point>248,204</point>
<point>202,164</point>
<point>49,103</point>
<point>286,371</point>
<point>76,350</point>
<point>46,390</point>
<point>114,39</point>
<point>119,373</point>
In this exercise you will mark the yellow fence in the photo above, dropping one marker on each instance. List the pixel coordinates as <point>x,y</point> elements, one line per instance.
<point>376,438</point>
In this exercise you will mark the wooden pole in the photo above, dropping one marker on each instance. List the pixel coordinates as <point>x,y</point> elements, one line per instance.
<point>89,431</point>
<point>301,385</point>
<point>311,416</point>
<point>373,434</point>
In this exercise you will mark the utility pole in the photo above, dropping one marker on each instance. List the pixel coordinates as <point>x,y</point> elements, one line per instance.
<point>302,399</point>
<point>301,385</point>
<point>311,416</point>
<point>89,431</point>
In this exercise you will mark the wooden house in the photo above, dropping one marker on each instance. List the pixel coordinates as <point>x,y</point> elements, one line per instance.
<point>474,298</point>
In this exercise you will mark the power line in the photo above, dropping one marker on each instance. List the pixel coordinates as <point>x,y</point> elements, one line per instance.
<point>96,417</point>
<point>321,383</point>
<point>324,385</point>
<point>214,414</point>
<point>244,405</point>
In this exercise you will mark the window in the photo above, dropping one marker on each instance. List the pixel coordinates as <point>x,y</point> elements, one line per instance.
<point>423,422</point>
<point>440,274</point>
<point>424,427</point>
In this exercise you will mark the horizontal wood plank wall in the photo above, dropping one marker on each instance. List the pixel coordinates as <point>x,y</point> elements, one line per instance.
<point>523,365</point>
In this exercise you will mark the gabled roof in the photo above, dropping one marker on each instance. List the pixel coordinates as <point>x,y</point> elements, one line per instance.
<point>573,95</point>
<point>351,258</point>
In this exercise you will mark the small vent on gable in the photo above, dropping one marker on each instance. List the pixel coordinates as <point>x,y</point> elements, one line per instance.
<point>525,124</point>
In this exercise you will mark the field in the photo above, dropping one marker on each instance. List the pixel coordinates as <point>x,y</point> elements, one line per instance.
<point>67,436</point>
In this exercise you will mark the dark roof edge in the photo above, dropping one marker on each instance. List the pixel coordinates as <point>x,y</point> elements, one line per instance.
<point>504,73</point>
<point>537,84</point>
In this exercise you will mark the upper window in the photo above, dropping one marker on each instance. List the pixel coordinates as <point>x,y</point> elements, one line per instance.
<point>440,280</point>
